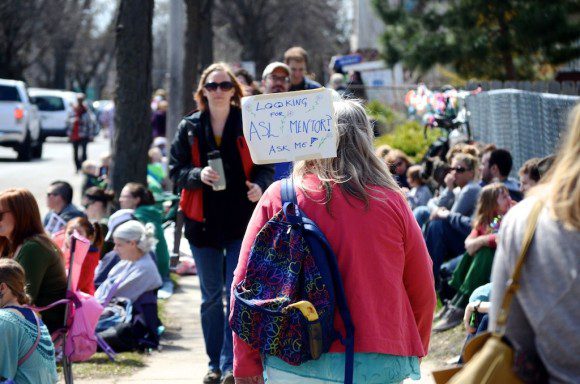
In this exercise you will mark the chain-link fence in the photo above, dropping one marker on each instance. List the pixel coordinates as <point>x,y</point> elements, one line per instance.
<point>528,124</point>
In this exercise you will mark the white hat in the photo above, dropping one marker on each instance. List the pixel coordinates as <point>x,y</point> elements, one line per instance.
<point>118,218</point>
<point>273,66</point>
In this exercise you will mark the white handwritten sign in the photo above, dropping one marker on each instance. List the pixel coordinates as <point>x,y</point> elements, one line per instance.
<point>290,126</point>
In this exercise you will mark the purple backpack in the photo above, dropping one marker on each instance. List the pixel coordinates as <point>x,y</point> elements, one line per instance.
<point>285,306</point>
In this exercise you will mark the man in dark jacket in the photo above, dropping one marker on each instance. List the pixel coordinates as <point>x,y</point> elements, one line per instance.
<point>297,59</point>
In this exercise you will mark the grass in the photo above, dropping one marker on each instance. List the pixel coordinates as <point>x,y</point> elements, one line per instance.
<point>99,366</point>
<point>126,363</point>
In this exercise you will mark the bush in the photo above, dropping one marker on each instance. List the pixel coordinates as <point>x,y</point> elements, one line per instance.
<point>384,117</point>
<point>409,138</point>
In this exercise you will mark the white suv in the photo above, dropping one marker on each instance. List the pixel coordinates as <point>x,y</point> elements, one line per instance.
<point>19,121</point>
<point>56,110</point>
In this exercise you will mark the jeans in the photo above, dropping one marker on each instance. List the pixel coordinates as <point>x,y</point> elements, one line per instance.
<point>443,241</point>
<point>217,333</point>
<point>422,215</point>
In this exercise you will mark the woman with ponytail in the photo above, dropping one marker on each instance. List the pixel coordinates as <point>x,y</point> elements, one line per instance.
<point>26,350</point>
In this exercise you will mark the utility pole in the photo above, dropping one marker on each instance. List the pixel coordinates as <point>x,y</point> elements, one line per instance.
<point>175,43</point>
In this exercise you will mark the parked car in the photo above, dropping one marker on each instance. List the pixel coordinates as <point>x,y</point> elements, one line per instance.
<point>19,121</point>
<point>56,110</point>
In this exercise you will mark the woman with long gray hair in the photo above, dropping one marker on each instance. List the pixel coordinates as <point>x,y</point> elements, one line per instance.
<point>382,259</point>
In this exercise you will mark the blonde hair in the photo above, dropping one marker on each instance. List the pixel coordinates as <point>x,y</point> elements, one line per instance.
<point>560,187</point>
<point>355,168</point>
<point>215,67</point>
<point>486,208</point>
<point>382,151</point>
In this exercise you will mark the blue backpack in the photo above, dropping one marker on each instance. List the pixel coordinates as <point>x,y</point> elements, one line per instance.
<point>285,305</point>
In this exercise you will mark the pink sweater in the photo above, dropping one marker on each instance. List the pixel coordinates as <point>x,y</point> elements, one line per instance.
<point>385,268</point>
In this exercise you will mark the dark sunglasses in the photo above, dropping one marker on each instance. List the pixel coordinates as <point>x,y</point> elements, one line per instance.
<point>2,215</point>
<point>459,169</point>
<point>51,194</point>
<point>224,86</point>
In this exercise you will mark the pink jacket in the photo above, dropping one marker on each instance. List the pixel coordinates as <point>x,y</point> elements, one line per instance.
<point>385,268</point>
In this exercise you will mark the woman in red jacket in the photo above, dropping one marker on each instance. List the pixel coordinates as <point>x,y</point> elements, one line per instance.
<point>382,258</point>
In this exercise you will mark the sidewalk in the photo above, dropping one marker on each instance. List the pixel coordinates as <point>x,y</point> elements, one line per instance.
<point>183,358</point>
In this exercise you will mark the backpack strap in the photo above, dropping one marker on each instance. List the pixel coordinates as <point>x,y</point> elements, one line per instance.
<point>23,359</point>
<point>288,195</point>
<point>340,296</point>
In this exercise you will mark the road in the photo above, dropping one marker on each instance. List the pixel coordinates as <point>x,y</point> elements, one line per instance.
<point>56,164</point>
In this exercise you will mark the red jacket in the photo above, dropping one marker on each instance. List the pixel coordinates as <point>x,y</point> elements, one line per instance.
<point>386,271</point>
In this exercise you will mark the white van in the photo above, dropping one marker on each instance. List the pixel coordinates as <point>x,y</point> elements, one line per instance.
<point>56,110</point>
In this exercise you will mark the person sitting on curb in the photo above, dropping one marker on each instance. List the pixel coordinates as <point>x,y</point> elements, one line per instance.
<point>59,200</point>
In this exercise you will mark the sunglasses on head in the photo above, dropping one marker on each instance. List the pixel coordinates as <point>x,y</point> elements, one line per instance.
<point>224,86</point>
<point>459,169</point>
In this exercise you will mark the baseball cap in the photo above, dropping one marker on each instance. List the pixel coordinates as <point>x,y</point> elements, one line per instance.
<point>118,218</point>
<point>272,67</point>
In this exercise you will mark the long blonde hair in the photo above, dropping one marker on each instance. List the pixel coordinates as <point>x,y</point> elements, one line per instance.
<point>560,187</point>
<point>487,206</point>
<point>356,168</point>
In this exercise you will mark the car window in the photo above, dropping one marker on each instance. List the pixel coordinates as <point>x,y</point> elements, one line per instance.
<point>9,93</point>
<point>49,103</point>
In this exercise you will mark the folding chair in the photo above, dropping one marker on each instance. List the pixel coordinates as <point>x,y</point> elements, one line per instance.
<point>79,249</point>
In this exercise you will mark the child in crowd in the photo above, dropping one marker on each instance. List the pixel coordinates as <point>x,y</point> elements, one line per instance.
<point>156,168</point>
<point>90,170</point>
<point>420,193</point>
<point>474,269</point>
<point>91,232</point>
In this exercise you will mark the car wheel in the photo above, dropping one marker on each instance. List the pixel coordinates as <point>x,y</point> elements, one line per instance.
<point>37,149</point>
<point>25,149</point>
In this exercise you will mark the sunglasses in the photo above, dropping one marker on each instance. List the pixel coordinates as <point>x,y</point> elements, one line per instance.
<point>51,194</point>
<point>2,215</point>
<point>224,86</point>
<point>283,79</point>
<point>459,169</point>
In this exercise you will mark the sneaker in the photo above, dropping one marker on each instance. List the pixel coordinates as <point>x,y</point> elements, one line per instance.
<point>213,376</point>
<point>228,378</point>
<point>451,319</point>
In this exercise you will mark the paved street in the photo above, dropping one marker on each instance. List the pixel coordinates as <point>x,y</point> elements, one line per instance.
<point>56,163</point>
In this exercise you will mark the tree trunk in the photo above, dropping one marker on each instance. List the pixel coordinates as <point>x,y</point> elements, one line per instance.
<point>505,46</point>
<point>206,48</point>
<point>60,61</point>
<point>192,53</point>
<point>133,54</point>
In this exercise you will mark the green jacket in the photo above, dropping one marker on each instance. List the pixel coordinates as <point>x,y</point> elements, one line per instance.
<point>45,279</point>
<point>152,214</point>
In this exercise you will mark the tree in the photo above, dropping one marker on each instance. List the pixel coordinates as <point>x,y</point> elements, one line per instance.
<point>20,22</point>
<point>198,46</point>
<point>266,28</point>
<point>486,39</point>
<point>133,49</point>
